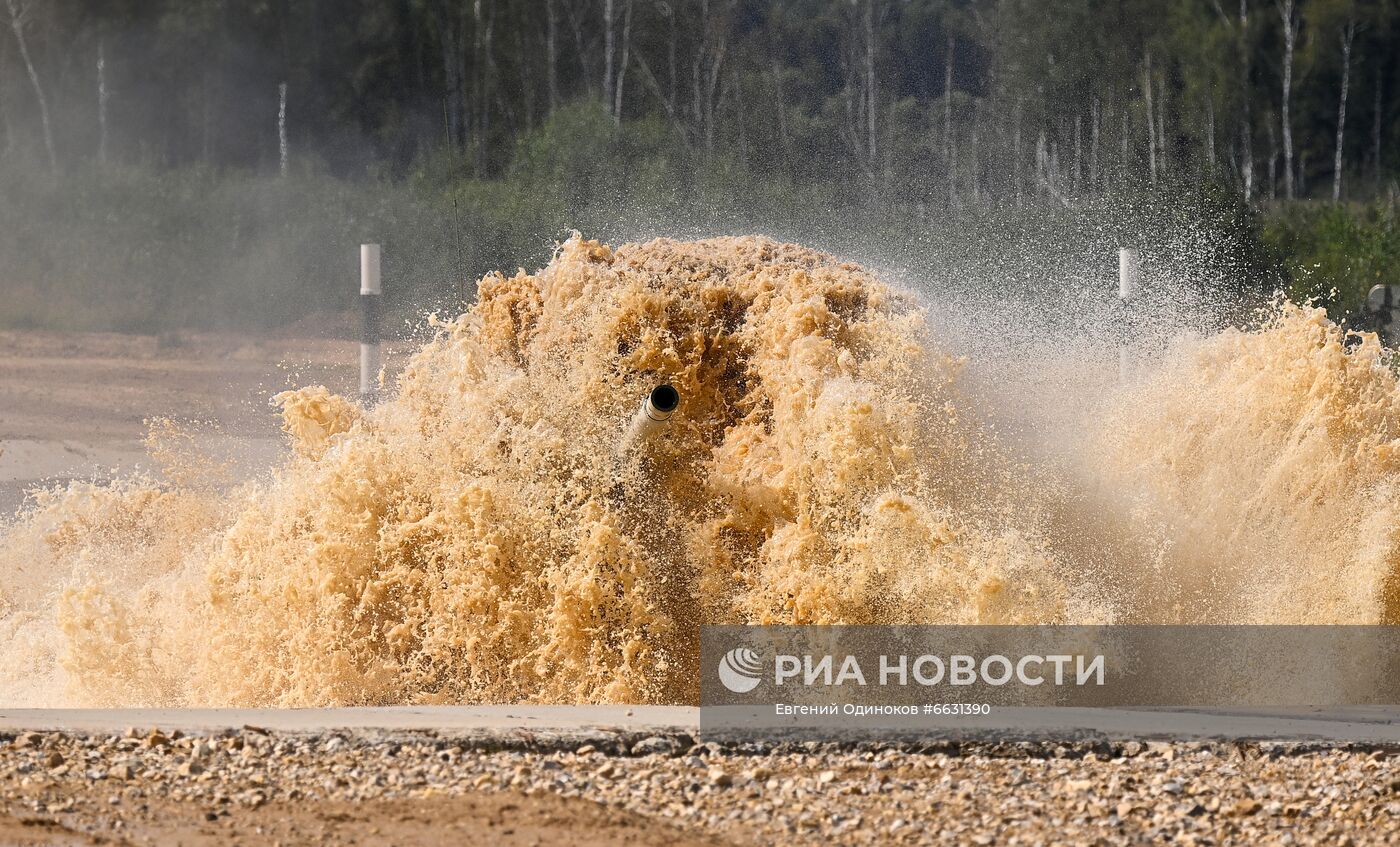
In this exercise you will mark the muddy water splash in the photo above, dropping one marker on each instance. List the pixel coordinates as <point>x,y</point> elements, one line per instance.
<point>477,537</point>
<point>1264,469</point>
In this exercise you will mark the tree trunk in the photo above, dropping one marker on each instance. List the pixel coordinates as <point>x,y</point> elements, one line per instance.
<point>206,118</point>
<point>609,14</point>
<point>576,26</point>
<point>850,128</point>
<point>1273,162</point>
<point>1246,124</point>
<point>650,80</point>
<point>17,15</point>
<point>1076,174</point>
<point>1287,13</point>
<point>1348,35</point>
<point>449,36</point>
<point>717,102</point>
<point>1123,158</point>
<point>975,177</point>
<point>488,83</point>
<point>481,102</point>
<point>870,99</point>
<point>1210,136</point>
<point>1094,146</point>
<point>1376,133</point>
<point>1163,159</point>
<point>697,112</point>
<point>551,41</point>
<point>622,66</point>
<point>1151,129</point>
<point>716,43</point>
<point>1042,164</point>
<point>6,122</point>
<point>282,129</point>
<point>101,104</point>
<point>1016,152</point>
<point>1247,156</point>
<point>733,83</point>
<point>527,81</point>
<point>948,118</point>
<point>781,111</point>
<point>671,56</point>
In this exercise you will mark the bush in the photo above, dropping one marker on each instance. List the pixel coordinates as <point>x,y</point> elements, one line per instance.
<point>1336,252</point>
<point>140,250</point>
<point>133,250</point>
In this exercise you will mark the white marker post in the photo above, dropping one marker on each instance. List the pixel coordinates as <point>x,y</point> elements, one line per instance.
<point>369,323</point>
<point>1129,289</point>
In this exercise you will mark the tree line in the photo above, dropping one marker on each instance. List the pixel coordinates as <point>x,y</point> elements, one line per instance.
<point>924,101</point>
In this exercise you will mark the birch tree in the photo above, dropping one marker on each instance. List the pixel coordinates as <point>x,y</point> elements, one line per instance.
<point>1151,128</point>
<point>483,64</point>
<point>1094,146</point>
<point>1076,173</point>
<point>1348,37</point>
<point>20,12</point>
<point>1016,151</point>
<point>1123,155</point>
<point>975,174</point>
<point>6,121</point>
<point>449,27</point>
<point>576,22</point>
<point>282,129</point>
<point>780,110</point>
<point>1210,136</point>
<point>1376,123</point>
<point>101,104</point>
<point>551,49</point>
<point>948,118</point>
<point>1273,159</point>
<point>609,16</point>
<point>707,66</point>
<point>622,66</point>
<point>1239,26</point>
<point>1288,16</point>
<point>670,14</point>
<point>1164,163</point>
<point>1246,125</point>
<point>870,98</point>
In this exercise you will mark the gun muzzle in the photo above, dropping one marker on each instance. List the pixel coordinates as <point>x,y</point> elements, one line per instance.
<point>651,418</point>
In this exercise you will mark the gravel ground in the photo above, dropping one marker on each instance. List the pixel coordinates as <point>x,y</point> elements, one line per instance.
<point>255,787</point>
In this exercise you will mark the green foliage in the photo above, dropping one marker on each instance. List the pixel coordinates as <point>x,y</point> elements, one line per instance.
<point>435,127</point>
<point>143,250</point>
<point>136,250</point>
<point>1336,252</point>
<point>579,158</point>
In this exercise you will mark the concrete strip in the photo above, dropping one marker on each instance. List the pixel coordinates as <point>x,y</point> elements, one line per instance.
<point>1379,725</point>
<point>446,719</point>
<point>1368,725</point>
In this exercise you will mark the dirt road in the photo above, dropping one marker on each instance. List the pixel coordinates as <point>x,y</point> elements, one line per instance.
<point>258,787</point>
<point>76,405</point>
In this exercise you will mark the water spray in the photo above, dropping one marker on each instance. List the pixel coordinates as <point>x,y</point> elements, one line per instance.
<point>1129,289</point>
